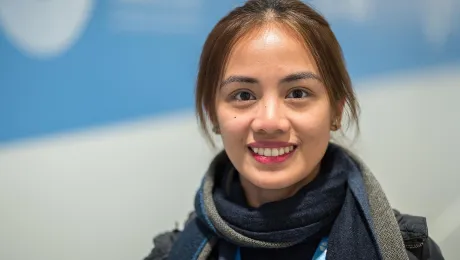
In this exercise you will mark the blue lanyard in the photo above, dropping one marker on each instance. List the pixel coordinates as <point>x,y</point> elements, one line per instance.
<point>320,253</point>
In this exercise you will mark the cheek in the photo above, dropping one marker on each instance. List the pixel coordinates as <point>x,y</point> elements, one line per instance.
<point>313,125</point>
<point>233,126</point>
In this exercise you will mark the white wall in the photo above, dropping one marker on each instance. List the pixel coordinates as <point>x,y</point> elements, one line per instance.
<point>103,193</point>
<point>410,127</point>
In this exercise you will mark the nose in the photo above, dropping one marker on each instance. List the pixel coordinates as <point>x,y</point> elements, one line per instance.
<point>270,118</point>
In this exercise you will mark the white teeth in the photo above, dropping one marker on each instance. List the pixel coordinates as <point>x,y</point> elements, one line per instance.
<point>273,151</point>
<point>267,152</point>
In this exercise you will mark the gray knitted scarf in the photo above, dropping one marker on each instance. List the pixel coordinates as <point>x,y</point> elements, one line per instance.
<point>197,244</point>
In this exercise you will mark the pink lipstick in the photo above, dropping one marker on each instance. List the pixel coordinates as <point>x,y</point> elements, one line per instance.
<point>271,152</point>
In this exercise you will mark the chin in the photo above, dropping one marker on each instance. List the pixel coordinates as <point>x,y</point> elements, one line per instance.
<point>271,180</point>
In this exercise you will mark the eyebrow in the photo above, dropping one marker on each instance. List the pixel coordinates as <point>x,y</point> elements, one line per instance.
<point>289,78</point>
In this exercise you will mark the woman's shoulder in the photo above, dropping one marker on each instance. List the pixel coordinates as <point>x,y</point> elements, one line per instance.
<point>163,243</point>
<point>414,231</point>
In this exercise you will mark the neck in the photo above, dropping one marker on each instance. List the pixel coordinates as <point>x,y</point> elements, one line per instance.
<point>257,196</point>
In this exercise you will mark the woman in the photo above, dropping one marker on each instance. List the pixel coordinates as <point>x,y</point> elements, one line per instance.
<point>273,84</point>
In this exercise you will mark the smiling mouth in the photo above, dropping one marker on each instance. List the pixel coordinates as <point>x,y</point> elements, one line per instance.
<point>272,152</point>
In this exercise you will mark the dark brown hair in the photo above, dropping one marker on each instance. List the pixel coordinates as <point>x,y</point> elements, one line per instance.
<point>313,30</point>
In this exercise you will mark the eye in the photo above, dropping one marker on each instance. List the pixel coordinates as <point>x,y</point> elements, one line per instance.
<point>298,93</point>
<point>244,96</point>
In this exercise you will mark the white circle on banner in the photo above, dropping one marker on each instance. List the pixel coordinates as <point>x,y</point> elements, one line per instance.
<point>44,28</point>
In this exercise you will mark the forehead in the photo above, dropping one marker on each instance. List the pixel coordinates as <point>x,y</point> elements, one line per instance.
<point>271,48</point>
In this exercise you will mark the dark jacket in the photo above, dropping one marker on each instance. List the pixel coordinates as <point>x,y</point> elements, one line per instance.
<point>414,231</point>
<point>419,245</point>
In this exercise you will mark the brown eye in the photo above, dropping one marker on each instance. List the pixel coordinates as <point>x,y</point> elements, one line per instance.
<point>298,93</point>
<point>244,96</point>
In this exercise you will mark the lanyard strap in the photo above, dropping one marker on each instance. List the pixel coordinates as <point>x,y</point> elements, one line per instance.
<point>320,253</point>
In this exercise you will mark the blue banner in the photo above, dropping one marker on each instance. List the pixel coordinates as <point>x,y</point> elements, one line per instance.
<point>77,63</point>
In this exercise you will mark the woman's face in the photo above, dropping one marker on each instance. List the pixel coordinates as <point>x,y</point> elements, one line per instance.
<point>273,110</point>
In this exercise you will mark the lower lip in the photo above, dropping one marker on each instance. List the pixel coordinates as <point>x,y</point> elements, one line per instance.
<point>272,159</point>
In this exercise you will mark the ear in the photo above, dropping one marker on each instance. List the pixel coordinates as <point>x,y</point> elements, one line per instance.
<point>216,130</point>
<point>336,120</point>
<point>339,109</point>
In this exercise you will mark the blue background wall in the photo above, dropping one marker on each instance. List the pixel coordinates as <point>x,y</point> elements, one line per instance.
<point>131,61</point>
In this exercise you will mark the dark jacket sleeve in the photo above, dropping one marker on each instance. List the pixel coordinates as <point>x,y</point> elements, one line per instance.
<point>162,245</point>
<point>414,231</point>
<point>431,250</point>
